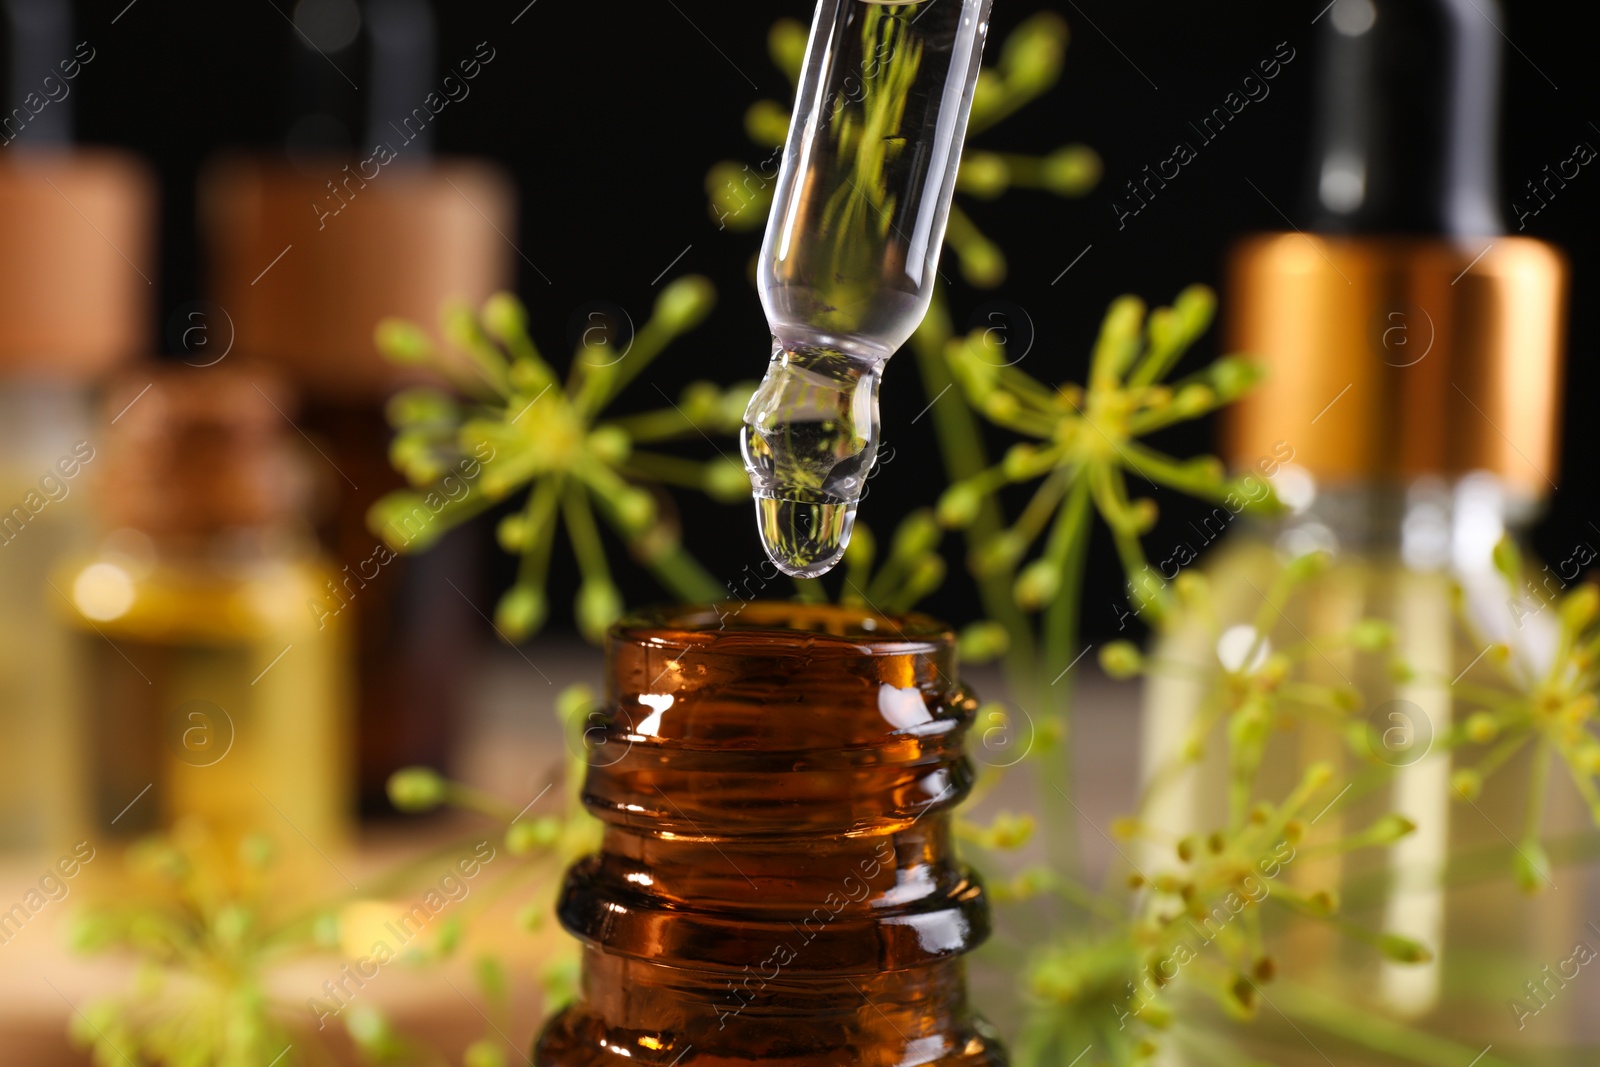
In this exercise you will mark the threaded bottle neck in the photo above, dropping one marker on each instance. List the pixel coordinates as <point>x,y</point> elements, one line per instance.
<point>777,850</point>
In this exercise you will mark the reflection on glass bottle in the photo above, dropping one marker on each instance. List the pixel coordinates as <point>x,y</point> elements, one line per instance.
<point>215,673</point>
<point>851,254</point>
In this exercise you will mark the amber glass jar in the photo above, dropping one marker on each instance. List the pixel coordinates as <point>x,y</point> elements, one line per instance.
<point>777,881</point>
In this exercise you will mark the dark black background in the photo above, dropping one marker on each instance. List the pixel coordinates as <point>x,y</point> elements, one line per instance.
<point>609,114</point>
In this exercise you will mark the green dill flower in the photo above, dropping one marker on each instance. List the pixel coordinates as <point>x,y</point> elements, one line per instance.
<point>1088,439</point>
<point>1192,908</point>
<point>1258,667</point>
<point>537,845</point>
<point>911,569</point>
<point>1527,699</point>
<point>204,922</point>
<point>1195,929</point>
<point>523,428</point>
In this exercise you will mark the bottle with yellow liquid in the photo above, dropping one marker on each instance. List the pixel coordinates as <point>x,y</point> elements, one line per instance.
<point>1408,420</point>
<point>216,684</point>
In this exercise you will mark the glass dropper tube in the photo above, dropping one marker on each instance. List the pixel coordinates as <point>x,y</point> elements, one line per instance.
<point>852,253</point>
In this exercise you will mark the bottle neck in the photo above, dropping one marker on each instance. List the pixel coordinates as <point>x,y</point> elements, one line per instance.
<point>776,782</point>
<point>1445,529</point>
<point>1430,525</point>
<point>197,461</point>
<point>217,552</point>
<point>41,421</point>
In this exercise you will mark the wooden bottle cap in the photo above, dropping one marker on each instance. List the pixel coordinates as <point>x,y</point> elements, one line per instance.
<point>307,264</point>
<point>77,261</point>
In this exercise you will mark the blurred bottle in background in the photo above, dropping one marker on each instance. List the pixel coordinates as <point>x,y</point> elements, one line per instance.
<point>1409,421</point>
<point>211,688</point>
<point>76,263</point>
<point>308,251</point>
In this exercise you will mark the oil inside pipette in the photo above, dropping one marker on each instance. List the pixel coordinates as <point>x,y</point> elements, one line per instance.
<point>850,260</point>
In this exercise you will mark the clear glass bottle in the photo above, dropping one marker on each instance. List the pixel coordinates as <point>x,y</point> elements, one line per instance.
<point>777,881</point>
<point>851,254</point>
<point>212,637</point>
<point>1408,487</point>
<point>1408,416</point>
<point>44,437</point>
<point>71,306</point>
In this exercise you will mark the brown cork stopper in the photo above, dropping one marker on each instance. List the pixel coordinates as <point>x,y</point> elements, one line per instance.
<point>193,452</point>
<point>308,262</point>
<point>77,261</point>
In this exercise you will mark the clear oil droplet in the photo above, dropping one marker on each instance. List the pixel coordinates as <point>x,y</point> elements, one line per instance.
<point>811,435</point>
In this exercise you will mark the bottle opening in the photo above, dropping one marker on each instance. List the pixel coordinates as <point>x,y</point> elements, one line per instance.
<point>786,627</point>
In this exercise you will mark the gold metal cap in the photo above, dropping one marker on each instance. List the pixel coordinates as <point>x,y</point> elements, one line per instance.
<point>306,265</point>
<point>1392,358</point>
<point>76,261</point>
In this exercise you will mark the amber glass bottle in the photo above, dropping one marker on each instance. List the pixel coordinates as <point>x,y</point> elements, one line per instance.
<point>777,881</point>
<point>389,230</point>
